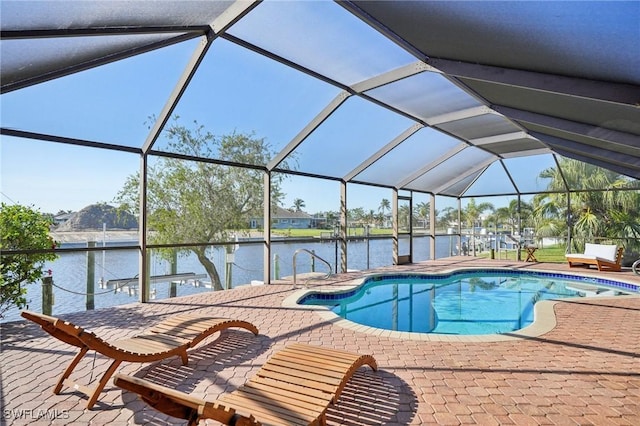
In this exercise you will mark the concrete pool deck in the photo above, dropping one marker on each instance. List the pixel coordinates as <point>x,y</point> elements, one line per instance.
<point>584,370</point>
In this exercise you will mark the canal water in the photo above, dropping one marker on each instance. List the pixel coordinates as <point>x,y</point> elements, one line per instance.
<point>69,271</point>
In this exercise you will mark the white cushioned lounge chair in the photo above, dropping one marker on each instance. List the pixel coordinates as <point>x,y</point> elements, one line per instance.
<point>604,256</point>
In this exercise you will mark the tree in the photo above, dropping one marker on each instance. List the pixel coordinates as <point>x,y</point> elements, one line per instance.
<point>511,216</point>
<point>370,217</point>
<point>449,216</point>
<point>200,201</point>
<point>591,213</point>
<point>383,208</point>
<point>298,204</point>
<point>22,228</point>
<point>473,212</point>
<point>421,211</point>
<point>404,216</point>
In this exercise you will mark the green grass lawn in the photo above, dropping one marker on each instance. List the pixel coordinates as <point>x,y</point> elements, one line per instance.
<point>553,253</point>
<point>310,232</point>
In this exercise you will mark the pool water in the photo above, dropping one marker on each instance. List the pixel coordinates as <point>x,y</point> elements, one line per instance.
<point>466,304</point>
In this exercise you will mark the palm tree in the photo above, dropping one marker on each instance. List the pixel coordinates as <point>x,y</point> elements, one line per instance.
<point>473,212</point>
<point>591,214</point>
<point>371,216</point>
<point>421,210</point>
<point>512,217</point>
<point>384,207</point>
<point>472,215</point>
<point>298,204</point>
<point>403,217</point>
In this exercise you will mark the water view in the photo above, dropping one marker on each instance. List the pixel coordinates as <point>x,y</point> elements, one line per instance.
<point>69,271</point>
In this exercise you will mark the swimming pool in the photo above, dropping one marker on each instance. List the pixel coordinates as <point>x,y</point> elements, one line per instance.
<point>460,303</point>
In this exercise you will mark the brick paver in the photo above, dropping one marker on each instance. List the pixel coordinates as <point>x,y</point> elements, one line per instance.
<point>585,371</point>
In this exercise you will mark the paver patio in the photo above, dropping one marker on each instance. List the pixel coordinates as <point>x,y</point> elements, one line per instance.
<point>585,371</point>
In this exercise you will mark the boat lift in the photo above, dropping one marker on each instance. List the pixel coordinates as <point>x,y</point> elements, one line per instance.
<point>131,284</point>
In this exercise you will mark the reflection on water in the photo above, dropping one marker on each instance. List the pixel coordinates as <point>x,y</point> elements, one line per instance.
<point>69,271</point>
<point>479,303</point>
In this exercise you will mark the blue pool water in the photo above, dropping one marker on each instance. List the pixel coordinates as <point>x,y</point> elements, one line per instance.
<point>469,303</point>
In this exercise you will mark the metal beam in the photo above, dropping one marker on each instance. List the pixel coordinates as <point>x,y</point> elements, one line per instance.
<point>383,29</point>
<point>459,115</point>
<point>231,15</point>
<point>515,154</point>
<point>466,174</point>
<point>69,141</point>
<point>505,137</point>
<point>85,65</point>
<point>581,157</point>
<point>304,133</point>
<point>589,151</point>
<point>266,224</point>
<point>384,150</point>
<point>143,255</point>
<point>625,94</point>
<point>596,132</point>
<point>344,222</point>
<point>415,175</point>
<point>391,76</point>
<point>196,30</point>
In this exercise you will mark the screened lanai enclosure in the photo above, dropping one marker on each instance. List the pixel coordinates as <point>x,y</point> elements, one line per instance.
<point>242,136</point>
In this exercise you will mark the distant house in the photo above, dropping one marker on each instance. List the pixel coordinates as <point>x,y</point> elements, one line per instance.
<point>59,219</point>
<point>285,219</point>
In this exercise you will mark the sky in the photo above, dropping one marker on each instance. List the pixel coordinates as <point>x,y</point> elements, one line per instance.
<point>234,90</point>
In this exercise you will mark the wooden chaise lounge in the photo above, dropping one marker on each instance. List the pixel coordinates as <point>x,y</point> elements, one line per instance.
<point>607,257</point>
<point>170,337</point>
<point>294,387</point>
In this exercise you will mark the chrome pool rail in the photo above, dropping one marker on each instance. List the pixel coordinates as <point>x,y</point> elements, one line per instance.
<point>313,255</point>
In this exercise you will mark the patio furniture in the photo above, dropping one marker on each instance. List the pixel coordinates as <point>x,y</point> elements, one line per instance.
<point>170,337</point>
<point>295,386</point>
<point>531,249</point>
<point>604,256</point>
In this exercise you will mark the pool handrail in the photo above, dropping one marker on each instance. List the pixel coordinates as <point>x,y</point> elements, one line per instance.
<point>312,254</point>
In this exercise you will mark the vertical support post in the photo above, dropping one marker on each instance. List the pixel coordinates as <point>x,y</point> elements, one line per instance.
<point>335,243</point>
<point>313,261</point>
<point>569,224</point>
<point>432,229</point>
<point>143,264</point>
<point>343,226</point>
<point>366,236</point>
<point>266,226</point>
<point>173,286</point>
<point>460,224</point>
<point>228,262</point>
<point>91,276</point>
<point>394,222</point>
<point>519,256</point>
<point>410,260</point>
<point>47,295</point>
<point>276,266</point>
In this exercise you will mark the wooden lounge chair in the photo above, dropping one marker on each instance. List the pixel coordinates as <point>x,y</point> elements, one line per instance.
<point>170,337</point>
<point>607,257</point>
<point>294,387</point>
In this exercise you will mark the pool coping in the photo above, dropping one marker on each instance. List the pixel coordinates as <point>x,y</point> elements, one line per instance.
<point>544,316</point>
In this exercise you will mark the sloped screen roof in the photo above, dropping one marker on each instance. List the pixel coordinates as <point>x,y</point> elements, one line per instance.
<point>423,96</point>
